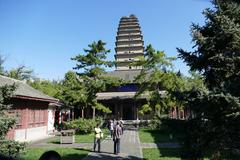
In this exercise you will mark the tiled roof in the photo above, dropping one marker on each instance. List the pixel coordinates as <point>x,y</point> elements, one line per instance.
<point>127,75</point>
<point>24,90</point>
<point>122,95</point>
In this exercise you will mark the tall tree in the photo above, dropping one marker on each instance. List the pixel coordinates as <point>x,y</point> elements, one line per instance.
<point>92,72</point>
<point>154,76</point>
<point>74,92</point>
<point>215,126</point>
<point>20,73</point>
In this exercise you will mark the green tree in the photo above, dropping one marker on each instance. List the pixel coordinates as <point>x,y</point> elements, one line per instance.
<point>215,125</point>
<point>2,61</point>
<point>7,147</point>
<point>20,73</point>
<point>92,73</point>
<point>74,92</point>
<point>155,75</point>
<point>52,88</point>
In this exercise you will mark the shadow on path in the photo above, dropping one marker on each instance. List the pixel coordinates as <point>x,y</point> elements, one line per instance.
<point>107,156</point>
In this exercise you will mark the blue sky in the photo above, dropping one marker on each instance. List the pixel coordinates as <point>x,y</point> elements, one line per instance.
<point>45,34</point>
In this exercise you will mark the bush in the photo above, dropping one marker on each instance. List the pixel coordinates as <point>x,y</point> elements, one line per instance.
<point>144,123</point>
<point>11,149</point>
<point>82,125</point>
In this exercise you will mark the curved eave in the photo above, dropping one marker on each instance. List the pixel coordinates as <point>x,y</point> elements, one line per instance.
<point>124,62</point>
<point>129,42</point>
<point>133,26</point>
<point>128,54</point>
<point>127,48</point>
<point>129,31</point>
<point>127,36</point>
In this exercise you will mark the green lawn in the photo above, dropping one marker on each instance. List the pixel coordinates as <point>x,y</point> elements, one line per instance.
<point>153,136</point>
<point>80,138</point>
<point>66,153</point>
<point>161,154</point>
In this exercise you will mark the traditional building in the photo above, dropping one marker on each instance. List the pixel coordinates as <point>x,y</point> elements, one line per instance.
<point>129,43</point>
<point>34,111</point>
<point>129,46</point>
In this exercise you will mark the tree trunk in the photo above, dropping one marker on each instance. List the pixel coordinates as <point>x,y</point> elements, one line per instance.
<point>82,113</point>
<point>217,155</point>
<point>93,112</point>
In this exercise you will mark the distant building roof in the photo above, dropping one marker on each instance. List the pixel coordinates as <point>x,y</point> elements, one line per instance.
<point>122,95</point>
<point>127,75</point>
<point>25,91</point>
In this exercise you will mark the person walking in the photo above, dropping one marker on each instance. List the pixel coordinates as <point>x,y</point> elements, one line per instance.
<point>111,125</point>
<point>122,125</point>
<point>97,138</point>
<point>117,137</point>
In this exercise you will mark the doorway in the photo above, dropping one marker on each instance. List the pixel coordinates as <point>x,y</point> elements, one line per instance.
<point>127,112</point>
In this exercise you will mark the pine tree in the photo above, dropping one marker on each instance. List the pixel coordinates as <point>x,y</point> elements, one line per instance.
<point>92,72</point>
<point>215,127</point>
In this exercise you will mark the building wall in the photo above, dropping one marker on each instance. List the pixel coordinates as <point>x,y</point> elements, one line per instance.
<point>32,119</point>
<point>51,119</point>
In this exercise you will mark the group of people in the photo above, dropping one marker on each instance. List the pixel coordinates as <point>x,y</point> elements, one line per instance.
<point>116,131</point>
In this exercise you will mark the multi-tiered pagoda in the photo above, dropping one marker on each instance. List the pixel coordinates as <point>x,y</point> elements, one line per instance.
<point>129,43</point>
<point>129,46</point>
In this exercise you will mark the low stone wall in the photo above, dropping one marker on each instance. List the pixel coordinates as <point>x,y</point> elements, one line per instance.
<point>30,134</point>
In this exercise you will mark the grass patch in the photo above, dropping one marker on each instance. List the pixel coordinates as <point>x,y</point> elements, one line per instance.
<point>80,138</point>
<point>66,153</point>
<point>161,154</point>
<point>154,136</point>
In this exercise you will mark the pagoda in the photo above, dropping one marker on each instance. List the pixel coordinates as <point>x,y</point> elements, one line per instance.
<point>129,43</point>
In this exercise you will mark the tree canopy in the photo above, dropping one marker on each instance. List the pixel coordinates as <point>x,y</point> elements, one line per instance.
<point>155,75</point>
<point>215,126</point>
<point>91,71</point>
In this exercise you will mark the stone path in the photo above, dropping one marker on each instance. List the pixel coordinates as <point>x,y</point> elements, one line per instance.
<point>130,148</point>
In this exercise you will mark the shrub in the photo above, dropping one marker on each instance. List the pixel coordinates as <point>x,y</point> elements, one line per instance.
<point>11,149</point>
<point>82,125</point>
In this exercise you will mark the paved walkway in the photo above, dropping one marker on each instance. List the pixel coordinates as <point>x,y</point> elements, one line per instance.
<point>130,148</point>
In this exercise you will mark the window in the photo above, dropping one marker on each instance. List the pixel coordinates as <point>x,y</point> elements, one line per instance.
<point>42,116</point>
<point>18,119</point>
<point>18,115</point>
<point>36,117</point>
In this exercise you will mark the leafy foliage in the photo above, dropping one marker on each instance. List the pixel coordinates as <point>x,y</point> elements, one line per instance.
<point>92,73</point>
<point>7,147</point>
<point>2,60</point>
<point>215,125</point>
<point>155,75</point>
<point>51,88</point>
<point>83,125</point>
<point>73,92</point>
<point>20,73</point>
